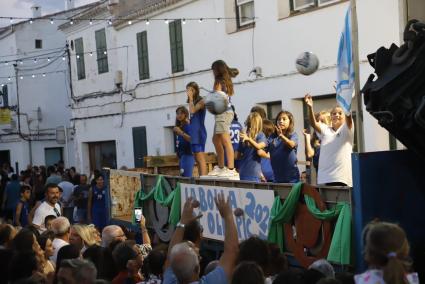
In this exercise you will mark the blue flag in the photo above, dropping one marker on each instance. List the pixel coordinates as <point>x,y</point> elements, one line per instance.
<point>345,67</point>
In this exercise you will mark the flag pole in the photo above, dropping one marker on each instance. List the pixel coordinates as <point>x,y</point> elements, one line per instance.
<point>356,62</point>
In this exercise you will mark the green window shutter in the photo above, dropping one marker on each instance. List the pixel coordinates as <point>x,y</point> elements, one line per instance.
<point>179,46</point>
<point>143,55</point>
<point>173,46</point>
<point>101,48</point>
<point>79,57</point>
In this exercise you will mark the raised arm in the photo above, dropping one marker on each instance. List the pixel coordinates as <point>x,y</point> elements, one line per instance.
<point>309,151</point>
<point>231,243</point>
<point>186,218</point>
<point>349,121</point>
<point>309,102</point>
<point>145,234</point>
<point>194,107</point>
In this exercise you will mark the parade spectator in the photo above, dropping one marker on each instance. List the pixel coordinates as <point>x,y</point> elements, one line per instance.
<point>112,233</point>
<point>38,188</point>
<point>183,263</point>
<point>102,258</point>
<point>81,237</point>
<point>48,207</point>
<point>152,267</point>
<point>54,176</point>
<point>96,208</point>
<point>183,142</point>
<point>48,221</point>
<point>256,250</point>
<point>61,229</point>
<point>22,265</point>
<point>80,196</point>
<point>66,197</point>
<point>22,208</point>
<point>67,252</point>
<point>336,146</point>
<point>128,262</point>
<point>198,132</point>
<point>248,273</point>
<point>11,197</point>
<point>386,252</point>
<point>77,271</point>
<point>7,234</point>
<point>45,241</point>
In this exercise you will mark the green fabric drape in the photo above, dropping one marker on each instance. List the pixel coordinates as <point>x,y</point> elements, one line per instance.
<point>340,248</point>
<point>158,193</point>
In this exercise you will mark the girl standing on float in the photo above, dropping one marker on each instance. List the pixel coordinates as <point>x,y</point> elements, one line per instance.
<point>252,142</point>
<point>223,83</point>
<point>198,132</point>
<point>184,151</point>
<point>283,149</point>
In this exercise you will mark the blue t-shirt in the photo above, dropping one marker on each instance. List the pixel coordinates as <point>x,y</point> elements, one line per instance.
<point>23,218</point>
<point>250,164</point>
<point>284,160</point>
<point>217,276</point>
<point>198,132</point>
<point>235,129</point>
<point>266,168</point>
<point>13,194</point>
<point>183,146</point>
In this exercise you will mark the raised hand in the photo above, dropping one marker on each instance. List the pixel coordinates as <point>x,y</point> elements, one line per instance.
<point>308,100</point>
<point>189,93</point>
<point>187,213</point>
<point>223,205</point>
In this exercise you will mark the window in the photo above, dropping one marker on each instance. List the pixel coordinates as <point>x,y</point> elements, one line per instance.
<point>176,46</point>
<point>38,43</point>
<point>297,5</point>
<point>79,56</point>
<point>142,54</point>
<point>101,49</point>
<point>4,98</point>
<point>245,12</point>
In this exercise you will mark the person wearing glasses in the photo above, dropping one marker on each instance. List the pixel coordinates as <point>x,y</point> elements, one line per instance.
<point>48,207</point>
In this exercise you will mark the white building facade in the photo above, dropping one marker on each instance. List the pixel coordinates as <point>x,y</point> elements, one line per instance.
<point>136,66</point>
<point>34,75</point>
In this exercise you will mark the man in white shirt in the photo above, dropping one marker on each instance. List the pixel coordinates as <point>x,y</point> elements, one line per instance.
<point>61,228</point>
<point>48,207</point>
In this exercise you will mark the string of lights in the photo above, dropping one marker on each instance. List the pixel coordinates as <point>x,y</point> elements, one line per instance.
<point>129,19</point>
<point>32,76</point>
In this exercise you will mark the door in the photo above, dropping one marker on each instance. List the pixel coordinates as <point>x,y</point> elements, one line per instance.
<point>53,155</point>
<point>4,157</point>
<point>140,147</point>
<point>102,154</point>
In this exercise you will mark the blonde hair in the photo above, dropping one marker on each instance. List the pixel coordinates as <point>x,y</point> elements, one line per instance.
<point>326,115</point>
<point>254,124</point>
<point>86,234</point>
<point>387,248</point>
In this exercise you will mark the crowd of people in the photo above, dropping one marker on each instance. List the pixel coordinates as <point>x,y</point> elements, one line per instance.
<point>262,150</point>
<point>62,250</point>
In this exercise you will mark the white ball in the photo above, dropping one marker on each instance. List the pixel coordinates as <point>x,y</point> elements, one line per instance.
<point>307,63</point>
<point>216,102</point>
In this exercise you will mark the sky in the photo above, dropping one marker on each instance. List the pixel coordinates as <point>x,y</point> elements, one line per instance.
<point>22,8</point>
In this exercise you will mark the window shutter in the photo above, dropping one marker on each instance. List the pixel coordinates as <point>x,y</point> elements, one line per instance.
<point>143,56</point>
<point>101,47</point>
<point>284,8</point>
<point>173,48</point>
<point>179,46</point>
<point>79,50</point>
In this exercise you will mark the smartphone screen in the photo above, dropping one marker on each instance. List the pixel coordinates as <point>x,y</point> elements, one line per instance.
<point>138,214</point>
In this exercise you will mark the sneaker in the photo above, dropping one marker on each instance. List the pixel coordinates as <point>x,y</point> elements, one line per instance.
<point>230,174</point>
<point>216,171</point>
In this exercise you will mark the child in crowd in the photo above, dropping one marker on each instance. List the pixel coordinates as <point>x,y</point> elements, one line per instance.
<point>22,208</point>
<point>184,151</point>
<point>266,166</point>
<point>198,132</point>
<point>336,146</point>
<point>283,149</point>
<point>48,221</point>
<point>386,252</point>
<point>252,141</point>
<point>223,83</point>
